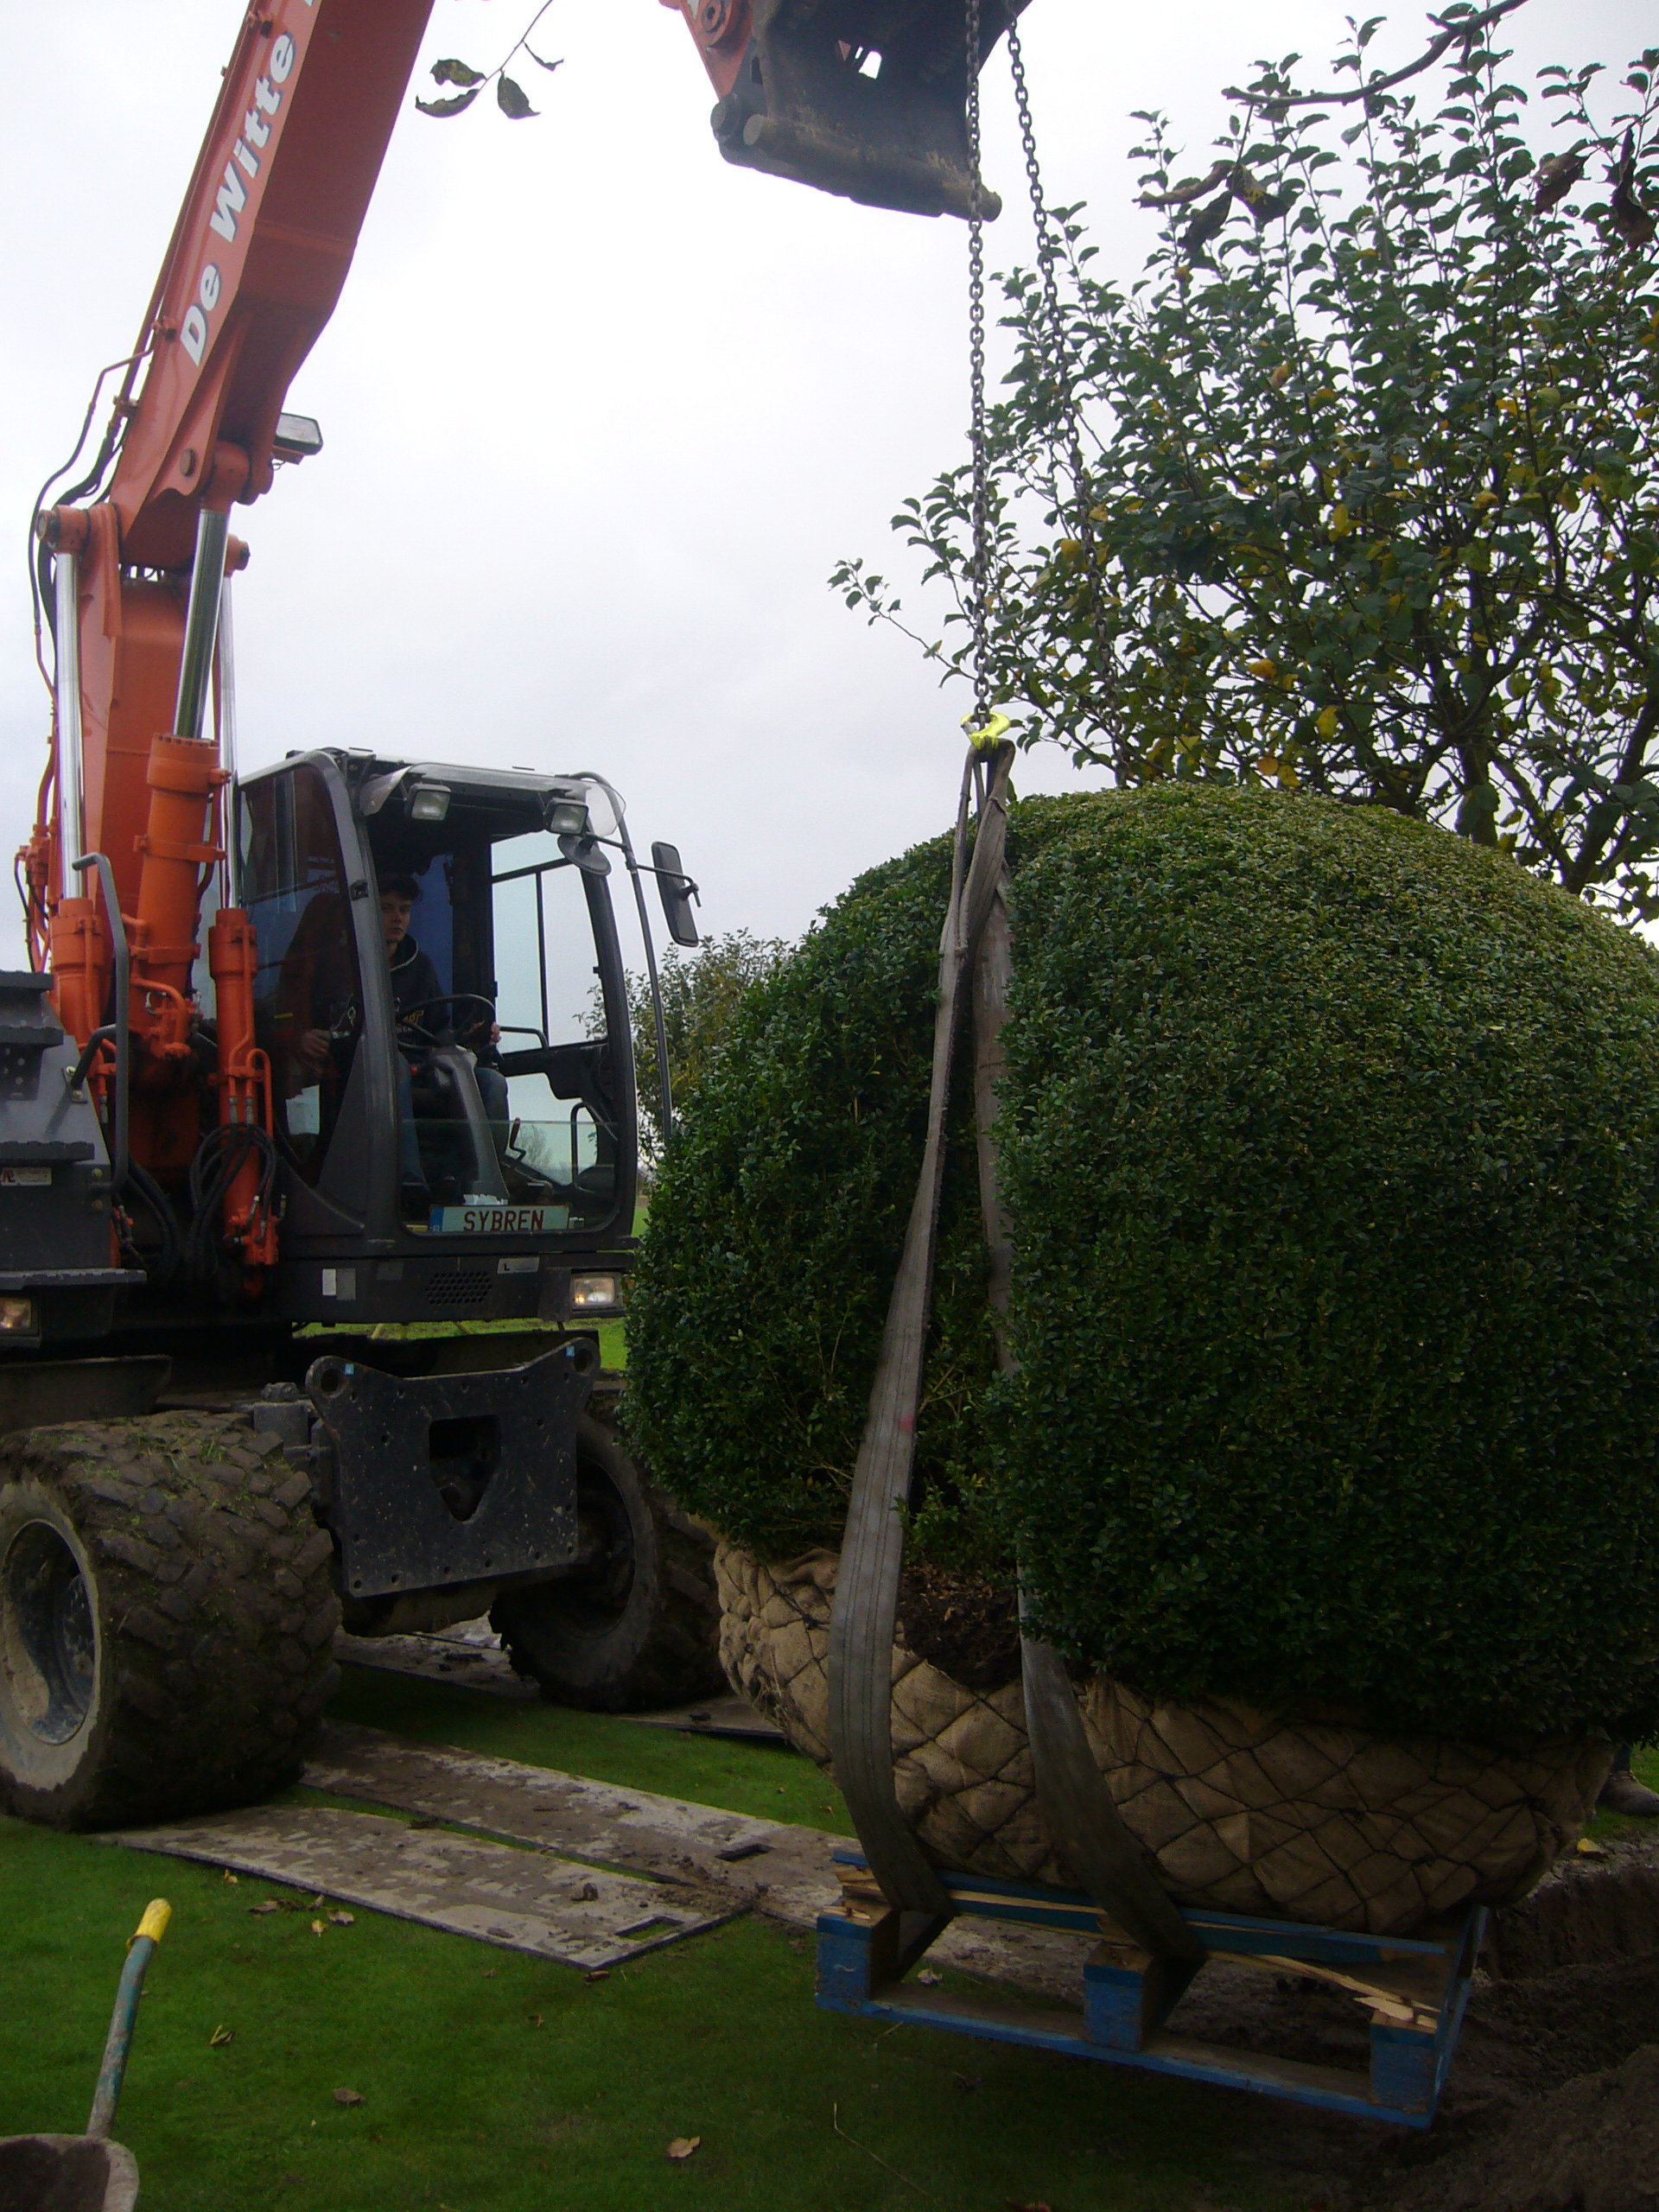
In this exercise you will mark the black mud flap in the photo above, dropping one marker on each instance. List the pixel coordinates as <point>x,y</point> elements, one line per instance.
<point>445,1478</point>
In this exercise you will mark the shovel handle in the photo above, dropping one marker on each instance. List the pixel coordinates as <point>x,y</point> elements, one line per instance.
<point>140,1949</point>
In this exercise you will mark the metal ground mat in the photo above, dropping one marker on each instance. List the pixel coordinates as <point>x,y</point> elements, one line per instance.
<point>753,1863</point>
<point>731,1718</point>
<point>581,1916</point>
<point>771,1867</point>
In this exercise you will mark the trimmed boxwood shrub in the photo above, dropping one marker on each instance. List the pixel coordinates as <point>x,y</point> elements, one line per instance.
<point>755,1317</point>
<point>1331,1144</point>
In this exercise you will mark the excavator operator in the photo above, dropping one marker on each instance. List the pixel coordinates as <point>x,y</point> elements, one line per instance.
<point>425,1020</point>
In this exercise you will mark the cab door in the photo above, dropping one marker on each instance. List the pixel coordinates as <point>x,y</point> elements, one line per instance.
<point>565,1047</point>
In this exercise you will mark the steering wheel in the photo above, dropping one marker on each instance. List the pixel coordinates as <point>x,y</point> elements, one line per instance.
<point>406,1014</point>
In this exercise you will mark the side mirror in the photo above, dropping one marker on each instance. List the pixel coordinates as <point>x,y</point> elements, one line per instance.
<point>678,891</point>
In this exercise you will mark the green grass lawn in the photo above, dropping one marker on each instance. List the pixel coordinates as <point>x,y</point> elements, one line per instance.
<point>1606,1826</point>
<point>492,2082</point>
<point>769,1783</point>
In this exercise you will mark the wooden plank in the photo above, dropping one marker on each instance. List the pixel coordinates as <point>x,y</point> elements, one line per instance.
<point>1236,1934</point>
<point>1046,2027</point>
<point>1411,1994</point>
<point>1334,2088</point>
<point>1129,1992</point>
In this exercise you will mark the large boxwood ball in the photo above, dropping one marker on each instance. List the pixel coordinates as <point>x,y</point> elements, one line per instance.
<point>1331,1146</point>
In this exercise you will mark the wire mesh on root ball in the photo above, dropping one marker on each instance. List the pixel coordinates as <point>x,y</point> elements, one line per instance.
<point>1331,1146</point>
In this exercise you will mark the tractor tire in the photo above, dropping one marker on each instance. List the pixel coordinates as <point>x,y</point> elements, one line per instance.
<point>167,1619</point>
<point>639,1627</point>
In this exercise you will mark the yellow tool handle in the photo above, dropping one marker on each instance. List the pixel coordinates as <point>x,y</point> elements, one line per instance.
<point>157,1913</point>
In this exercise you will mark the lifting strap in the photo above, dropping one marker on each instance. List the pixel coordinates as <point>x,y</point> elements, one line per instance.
<point>863,1624</point>
<point>975,959</point>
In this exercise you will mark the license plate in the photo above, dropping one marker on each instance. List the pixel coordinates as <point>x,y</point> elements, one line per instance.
<point>498,1221</point>
<point>24,1178</point>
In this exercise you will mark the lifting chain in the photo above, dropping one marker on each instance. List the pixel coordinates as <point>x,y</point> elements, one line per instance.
<point>1053,353</point>
<point>979,604</point>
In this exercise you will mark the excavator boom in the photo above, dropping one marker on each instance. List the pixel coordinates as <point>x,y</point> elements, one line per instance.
<point>864,97</point>
<point>260,251</point>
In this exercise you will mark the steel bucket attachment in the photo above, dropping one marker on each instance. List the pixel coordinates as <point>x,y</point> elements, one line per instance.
<point>864,97</point>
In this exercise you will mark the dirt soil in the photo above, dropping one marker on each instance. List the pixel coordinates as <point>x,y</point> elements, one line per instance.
<point>965,1626</point>
<point>1553,2103</point>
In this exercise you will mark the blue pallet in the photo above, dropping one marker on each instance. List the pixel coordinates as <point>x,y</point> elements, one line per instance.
<point>865,1952</point>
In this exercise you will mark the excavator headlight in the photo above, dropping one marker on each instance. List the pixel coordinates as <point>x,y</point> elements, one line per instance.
<point>428,801</point>
<point>567,817</point>
<point>296,437</point>
<point>18,1318</point>
<point>595,1294</point>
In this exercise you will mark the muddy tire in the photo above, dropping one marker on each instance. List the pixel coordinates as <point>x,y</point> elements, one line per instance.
<point>167,1619</point>
<point>638,1628</point>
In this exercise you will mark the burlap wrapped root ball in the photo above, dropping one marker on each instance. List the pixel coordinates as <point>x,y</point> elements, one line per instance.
<point>1331,1148</point>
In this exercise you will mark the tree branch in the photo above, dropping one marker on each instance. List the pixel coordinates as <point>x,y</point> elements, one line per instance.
<point>1465,27</point>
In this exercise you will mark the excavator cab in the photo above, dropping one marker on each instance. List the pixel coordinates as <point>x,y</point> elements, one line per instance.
<point>441,997</point>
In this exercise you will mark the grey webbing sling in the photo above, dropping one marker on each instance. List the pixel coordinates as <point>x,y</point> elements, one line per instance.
<point>1075,1801</point>
<point>873,1548</point>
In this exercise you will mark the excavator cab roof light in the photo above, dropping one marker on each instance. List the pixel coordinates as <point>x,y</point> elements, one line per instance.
<point>428,801</point>
<point>567,817</point>
<point>295,438</point>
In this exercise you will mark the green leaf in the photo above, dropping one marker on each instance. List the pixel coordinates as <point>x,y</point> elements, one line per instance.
<point>448,107</point>
<point>540,64</point>
<point>455,73</point>
<point>509,99</point>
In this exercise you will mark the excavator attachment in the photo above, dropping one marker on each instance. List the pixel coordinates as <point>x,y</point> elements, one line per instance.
<point>864,97</point>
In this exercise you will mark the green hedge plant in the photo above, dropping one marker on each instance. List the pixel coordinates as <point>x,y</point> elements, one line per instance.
<point>1331,1144</point>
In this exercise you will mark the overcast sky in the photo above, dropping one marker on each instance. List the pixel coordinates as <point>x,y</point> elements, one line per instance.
<point>601,411</point>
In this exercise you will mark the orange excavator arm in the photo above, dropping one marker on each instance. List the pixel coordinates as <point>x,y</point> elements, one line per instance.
<point>258,256</point>
<point>256,264</point>
<point>865,97</point>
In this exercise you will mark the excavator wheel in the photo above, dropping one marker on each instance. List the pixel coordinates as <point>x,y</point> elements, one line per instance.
<point>167,1619</point>
<point>639,1627</point>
